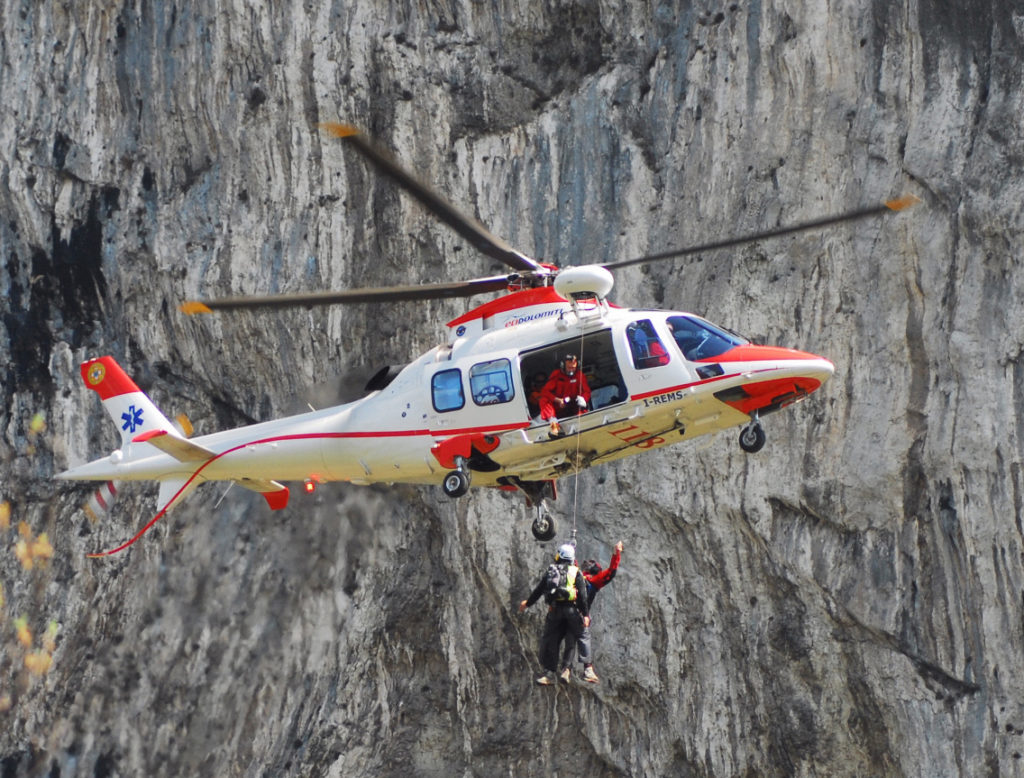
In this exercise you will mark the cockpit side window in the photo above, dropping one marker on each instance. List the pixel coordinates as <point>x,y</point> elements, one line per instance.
<point>699,339</point>
<point>446,390</point>
<point>490,383</point>
<point>645,345</point>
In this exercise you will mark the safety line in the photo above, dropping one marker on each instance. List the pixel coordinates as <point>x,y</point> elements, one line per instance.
<point>297,436</point>
<point>576,459</point>
<point>163,511</point>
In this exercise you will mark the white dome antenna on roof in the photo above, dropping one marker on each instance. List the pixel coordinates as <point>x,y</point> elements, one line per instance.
<point>585,283</point>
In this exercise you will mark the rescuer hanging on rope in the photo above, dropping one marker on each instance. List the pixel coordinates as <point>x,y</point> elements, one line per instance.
<point>565,590</point>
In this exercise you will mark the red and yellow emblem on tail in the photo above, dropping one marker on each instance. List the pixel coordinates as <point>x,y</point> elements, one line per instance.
<point>96,373</point>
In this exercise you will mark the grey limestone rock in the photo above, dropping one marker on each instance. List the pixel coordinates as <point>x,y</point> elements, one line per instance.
<point>848,602</point>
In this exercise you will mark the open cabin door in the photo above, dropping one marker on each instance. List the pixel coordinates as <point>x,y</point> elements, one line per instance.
<point>598,362</point>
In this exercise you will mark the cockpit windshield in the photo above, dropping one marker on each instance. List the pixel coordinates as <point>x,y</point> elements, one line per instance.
<point>699,339</point>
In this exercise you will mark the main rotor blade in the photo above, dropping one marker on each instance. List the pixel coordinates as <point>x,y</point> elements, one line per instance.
<point>377,295</point>
<point>898,204</point>
<point>468,227</point>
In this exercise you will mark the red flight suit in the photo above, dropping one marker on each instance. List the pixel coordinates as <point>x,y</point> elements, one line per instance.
<point>568,388</point>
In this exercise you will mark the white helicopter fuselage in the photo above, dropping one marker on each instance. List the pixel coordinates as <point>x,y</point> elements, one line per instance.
<point>464,407</point>
<point>469,410</point>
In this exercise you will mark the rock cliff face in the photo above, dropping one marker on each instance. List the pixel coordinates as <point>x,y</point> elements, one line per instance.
<point>849,601</point>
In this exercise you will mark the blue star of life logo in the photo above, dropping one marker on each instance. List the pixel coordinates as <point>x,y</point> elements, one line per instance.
<point>132,419</point>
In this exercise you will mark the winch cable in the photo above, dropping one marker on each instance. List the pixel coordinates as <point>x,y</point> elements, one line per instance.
<point>576,460</point>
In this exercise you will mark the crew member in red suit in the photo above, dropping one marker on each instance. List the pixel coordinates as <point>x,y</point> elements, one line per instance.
<point>565,393</point>
<point>597,578</point>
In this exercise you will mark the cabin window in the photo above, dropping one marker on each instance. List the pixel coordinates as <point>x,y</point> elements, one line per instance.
<point>490,383</point>
<point>446,388</point>
<point>698,339</point>
<point>645,345</point>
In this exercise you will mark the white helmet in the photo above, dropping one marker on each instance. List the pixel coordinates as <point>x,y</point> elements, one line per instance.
<point>566,553</point>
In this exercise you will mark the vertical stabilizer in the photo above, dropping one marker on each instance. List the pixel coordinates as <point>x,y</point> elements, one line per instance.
<point>129,407</point>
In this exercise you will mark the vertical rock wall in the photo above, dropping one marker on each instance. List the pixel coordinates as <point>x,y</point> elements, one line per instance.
<point>847,602</point>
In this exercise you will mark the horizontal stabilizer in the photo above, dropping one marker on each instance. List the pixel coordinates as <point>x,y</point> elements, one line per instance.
<point>181,449</point>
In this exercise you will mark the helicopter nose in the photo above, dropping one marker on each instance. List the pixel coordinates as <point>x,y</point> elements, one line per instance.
<point>806,364</point>
<point>771,377</point>
<point>811,365</point>
<point>804,360</point>
<point>825,367</point>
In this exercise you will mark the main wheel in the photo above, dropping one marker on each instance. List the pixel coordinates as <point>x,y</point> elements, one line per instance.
<point>752,438</point>
<point>455,484</point>
<point>543,527</point>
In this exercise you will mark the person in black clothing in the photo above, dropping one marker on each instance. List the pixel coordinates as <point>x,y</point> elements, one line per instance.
<point>568,614</point>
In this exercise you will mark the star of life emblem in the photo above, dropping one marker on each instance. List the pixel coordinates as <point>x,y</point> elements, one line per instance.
<point>132,419</point>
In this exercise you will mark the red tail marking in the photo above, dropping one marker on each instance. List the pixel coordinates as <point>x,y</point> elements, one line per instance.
<point>106,377</point>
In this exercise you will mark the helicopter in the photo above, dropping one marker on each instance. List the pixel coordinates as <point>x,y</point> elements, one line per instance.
<point>465,413</point>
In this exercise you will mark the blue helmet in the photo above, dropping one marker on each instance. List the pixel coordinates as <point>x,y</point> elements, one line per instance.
<point>566,553</point>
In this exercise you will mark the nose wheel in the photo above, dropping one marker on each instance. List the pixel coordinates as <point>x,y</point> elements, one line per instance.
<point>752,437</point>
<point>543,527</point>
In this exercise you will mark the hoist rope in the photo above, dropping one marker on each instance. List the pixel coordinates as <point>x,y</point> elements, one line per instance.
<point>576,459</point>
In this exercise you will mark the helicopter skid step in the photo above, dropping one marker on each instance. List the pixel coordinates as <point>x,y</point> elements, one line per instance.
<point>540,433</point>
<point>563,461</point>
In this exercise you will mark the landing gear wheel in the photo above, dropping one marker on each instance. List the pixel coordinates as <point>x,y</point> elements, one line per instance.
<point>455,484</point>
<point>543,527</point>
<point>752,438</point>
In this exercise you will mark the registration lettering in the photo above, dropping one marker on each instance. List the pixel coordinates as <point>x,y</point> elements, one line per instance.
<point>661,399</point>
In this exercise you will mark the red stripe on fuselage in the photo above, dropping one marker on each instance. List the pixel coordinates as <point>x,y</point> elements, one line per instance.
<point>678,387</point>
<point>275,439</point>
<point>405,433</point>
<point>378,434</point>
